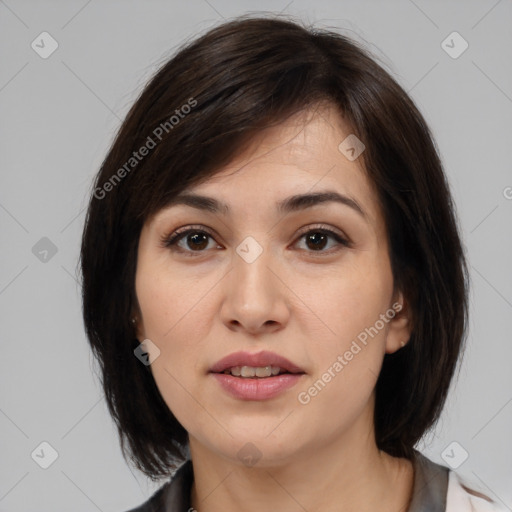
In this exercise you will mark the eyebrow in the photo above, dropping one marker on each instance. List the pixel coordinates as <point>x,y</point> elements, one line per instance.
<point>290,204</point>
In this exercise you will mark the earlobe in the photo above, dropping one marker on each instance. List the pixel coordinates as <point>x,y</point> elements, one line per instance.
<point>136,327</point>
<point>400,325</point>
<point>134,323</point>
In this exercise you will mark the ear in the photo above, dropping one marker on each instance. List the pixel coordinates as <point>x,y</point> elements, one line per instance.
<point>138,326</point>
<point>400,325</point>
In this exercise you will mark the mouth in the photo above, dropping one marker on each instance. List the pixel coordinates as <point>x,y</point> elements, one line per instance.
<point>260,365</point>
<point>258,372</point>
<point>260,376</point>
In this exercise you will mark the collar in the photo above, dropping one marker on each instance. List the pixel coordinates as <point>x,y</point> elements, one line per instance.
<point>428,495</point>
<point>430,486</point>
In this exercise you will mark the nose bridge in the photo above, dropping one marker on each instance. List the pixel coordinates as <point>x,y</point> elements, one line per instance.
<point>251,273</point>
<point>253,295</point>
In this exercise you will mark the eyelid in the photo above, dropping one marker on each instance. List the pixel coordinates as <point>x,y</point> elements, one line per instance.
<point>168,239</point>
<point>322,227</point>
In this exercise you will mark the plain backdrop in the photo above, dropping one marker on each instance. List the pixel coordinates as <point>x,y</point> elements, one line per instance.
<point>60,113</point>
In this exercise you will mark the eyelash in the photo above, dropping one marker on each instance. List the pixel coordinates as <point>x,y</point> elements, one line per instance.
<point>170,241</point>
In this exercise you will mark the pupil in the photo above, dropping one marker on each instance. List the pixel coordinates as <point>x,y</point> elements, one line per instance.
<point>196,240</point>
<point>317,242</point>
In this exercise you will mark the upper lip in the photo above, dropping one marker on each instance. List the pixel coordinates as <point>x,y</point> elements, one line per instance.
<point>259,359</point>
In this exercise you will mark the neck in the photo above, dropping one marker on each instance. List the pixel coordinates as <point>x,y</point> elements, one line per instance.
<point>347,475</point>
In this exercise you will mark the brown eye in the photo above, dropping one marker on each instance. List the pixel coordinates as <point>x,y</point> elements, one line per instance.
<point>317,239</point>
<point>193,241</point>
<point>197,240</point>
<point>188,240</point>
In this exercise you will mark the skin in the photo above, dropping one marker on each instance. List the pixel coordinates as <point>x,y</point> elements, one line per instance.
<point>304,304</point>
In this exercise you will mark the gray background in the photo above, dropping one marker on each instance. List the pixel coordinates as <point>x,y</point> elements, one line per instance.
<point>58,117</point>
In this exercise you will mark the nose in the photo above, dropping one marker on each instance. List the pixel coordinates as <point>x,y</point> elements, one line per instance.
<point>255,296</point>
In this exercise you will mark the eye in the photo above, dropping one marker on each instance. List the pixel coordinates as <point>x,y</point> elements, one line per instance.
<point>317,239</point>
<point>195,239</point>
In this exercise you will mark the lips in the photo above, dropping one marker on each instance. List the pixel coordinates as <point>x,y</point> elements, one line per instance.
<point>261,359</point>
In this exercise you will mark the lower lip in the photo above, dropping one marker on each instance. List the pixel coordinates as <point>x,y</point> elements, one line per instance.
<point>257,388</point>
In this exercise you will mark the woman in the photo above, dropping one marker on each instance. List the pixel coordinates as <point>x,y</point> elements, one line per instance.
<point>274,282</point>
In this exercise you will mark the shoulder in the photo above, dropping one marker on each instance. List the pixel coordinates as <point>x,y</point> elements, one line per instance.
<point>463,496</point>
<point>155,503</point>
<point>174,495</point>
<point>438,488</point>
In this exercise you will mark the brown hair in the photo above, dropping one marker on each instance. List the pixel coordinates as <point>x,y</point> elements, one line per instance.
<point>192,117</point>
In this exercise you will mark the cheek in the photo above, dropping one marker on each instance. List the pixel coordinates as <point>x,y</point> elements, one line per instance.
<point>169,311</point>
<point>348,355</point>
<point>349,300</point>
<point>170,304</point>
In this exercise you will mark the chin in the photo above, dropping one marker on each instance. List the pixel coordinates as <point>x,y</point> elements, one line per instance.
<point>255,447</point>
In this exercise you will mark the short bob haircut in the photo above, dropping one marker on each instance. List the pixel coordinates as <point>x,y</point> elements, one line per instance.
<point>193,116</point>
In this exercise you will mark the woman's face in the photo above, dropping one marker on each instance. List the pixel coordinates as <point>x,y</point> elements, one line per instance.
<point>253,277</point>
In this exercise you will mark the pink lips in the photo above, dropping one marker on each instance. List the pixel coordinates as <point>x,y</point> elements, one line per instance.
<point>264,358</point>
<point>256,388</point>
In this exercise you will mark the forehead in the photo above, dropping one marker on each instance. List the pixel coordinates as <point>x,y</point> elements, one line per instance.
<point>298,156</point>
<point>308,141</point>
